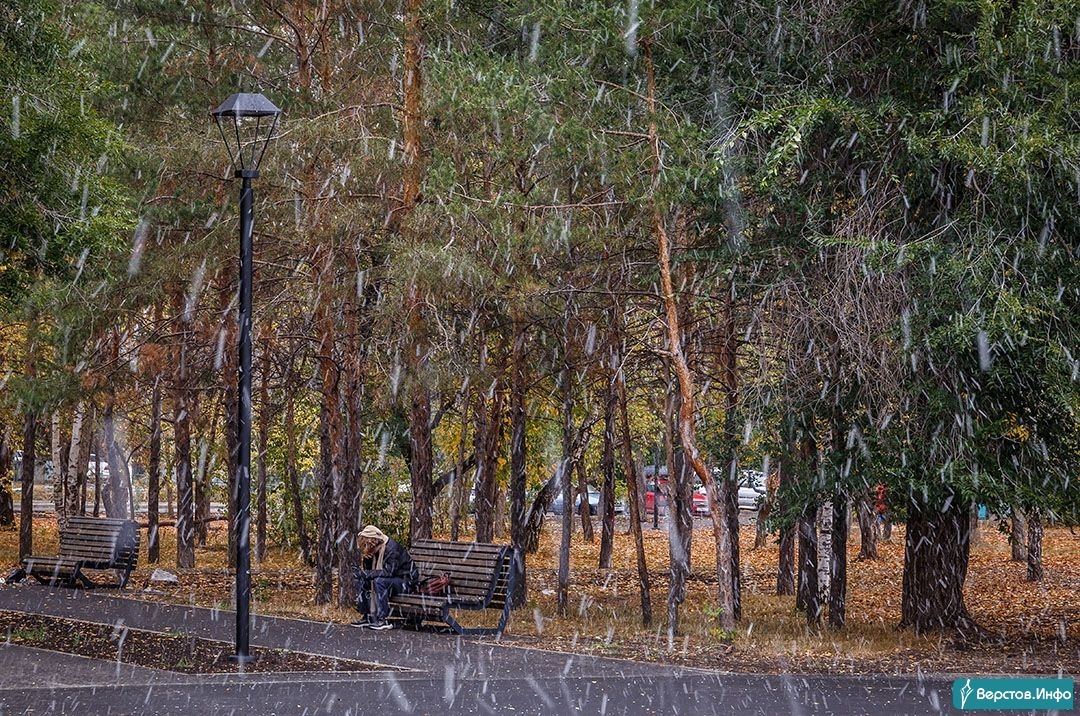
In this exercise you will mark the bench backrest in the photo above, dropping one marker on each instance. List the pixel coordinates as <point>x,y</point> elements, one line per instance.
<point>477,570</point>
<point>100,539</point>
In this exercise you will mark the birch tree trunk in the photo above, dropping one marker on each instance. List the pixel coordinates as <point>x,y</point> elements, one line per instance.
<point>824,546</point>
<point>75,463</point>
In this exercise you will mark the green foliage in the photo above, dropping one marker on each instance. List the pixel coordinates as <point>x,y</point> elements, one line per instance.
<point>387,501</point>
<point>57,206</point>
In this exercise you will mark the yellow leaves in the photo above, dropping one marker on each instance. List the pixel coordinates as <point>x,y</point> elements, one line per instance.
<point>1016,430</point>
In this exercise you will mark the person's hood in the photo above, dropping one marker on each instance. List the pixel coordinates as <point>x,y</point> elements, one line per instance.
<point>375,532</point>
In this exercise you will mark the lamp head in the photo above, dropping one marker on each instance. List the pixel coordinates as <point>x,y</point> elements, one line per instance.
<point>246,122</point>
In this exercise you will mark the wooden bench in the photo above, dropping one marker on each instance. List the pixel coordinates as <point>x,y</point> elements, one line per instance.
<point>480,578</point>
<point>88,543</point>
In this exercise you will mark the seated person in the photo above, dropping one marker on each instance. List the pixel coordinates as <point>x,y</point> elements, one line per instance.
<point>385,569</point>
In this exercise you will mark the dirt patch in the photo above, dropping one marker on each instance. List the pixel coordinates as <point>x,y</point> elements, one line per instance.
<point>181,653</point>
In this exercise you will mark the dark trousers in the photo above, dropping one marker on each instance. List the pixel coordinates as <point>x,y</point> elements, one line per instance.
<point>385,587</point>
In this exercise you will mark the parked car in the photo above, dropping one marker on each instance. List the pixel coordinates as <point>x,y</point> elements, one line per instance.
<point>700,497</point>
<point>701,501</point>
<point>654,500</point>
<point>594,503</point>
<point>556,507</point>
<point>751,489</point>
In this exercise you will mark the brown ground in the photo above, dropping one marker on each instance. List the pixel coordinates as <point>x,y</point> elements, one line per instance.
<point>1035,622</point>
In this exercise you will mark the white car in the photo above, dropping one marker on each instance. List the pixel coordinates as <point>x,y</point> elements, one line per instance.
<point>751,489</point>
<point>93,464</point>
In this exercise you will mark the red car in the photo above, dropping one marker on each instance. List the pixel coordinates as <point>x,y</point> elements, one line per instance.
<point>651,498</point>
<point>700,498</point>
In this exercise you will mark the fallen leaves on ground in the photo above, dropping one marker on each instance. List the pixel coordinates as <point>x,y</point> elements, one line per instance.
<point>1033,621</point>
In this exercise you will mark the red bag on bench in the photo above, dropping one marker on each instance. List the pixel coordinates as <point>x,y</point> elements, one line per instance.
<point>434,586</point>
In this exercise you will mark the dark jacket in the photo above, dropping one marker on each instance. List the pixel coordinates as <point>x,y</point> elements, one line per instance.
<point>396,563</point>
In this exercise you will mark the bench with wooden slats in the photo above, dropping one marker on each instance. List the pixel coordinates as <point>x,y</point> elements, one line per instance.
<point>480,578</point>
<point>88,543</point>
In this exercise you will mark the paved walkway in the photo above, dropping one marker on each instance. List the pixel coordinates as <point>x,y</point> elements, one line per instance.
<point>427,673</point>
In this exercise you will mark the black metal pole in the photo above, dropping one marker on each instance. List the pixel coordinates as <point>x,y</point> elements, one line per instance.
<point>242,523</point>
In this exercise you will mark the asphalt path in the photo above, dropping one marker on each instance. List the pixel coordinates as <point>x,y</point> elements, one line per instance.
<point>110,688</point>
<point>416,672</point>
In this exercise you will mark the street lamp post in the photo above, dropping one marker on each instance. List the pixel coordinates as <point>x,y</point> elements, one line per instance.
<point>246,122</point>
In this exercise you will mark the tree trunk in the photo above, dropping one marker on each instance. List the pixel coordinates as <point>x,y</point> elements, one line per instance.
<point>679,363</point>
<point>97,478</point>
<point>808,597</point>
<point>324,553</point>
<point>116,498</point>
<point>607,469</point>
<point>350,507</point>
<point>824,558</point>
<point>636,504</point>
<point>293,480</point>
<point>230,403</point>
<point>84,462</point>
<point>587,534</point>
<point>74,463</point>
<point>841,522</point>
<point>518,387</point>
<point>421,462</point>
<point>936,549</point>
<point>204,465</point>
<point>329,449</point>
<point>1034,546</point>
<point>1018,535</point>
<point>182,417</point>
<point>29,463</point>
<point>867,532</point>
<point>973,517</point>
<point>59,466</point>
<point>260,461</point>
<point>728,547</point>
<point>457,487</point>
<point>534,519</point>
<point>153,477</point>
<point>761,531</point>
<point>729,514</point>
<point>680,519</point>
<point>488,421</point>
<point>7,482</point>
<point>566,466</point>
<point>785,567</point>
